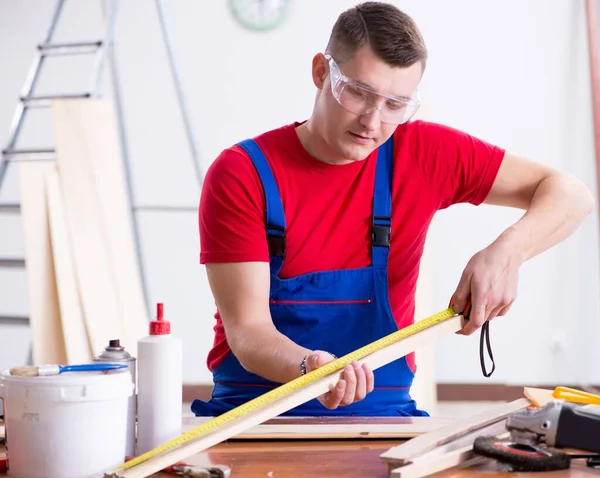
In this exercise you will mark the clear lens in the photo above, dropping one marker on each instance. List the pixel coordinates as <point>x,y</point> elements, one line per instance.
<point>361,101</point>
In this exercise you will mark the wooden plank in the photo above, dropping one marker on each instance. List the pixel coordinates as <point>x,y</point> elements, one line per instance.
<point>242,423</point>
<point>317,428</point>
<point>103,148</point>
<point>44,310</point>
<point>407,451</point>
<point>464,456</point>
<point>538,396</point>
<point>85,152</point>
<point>77,345</point>
<point>447,455</point>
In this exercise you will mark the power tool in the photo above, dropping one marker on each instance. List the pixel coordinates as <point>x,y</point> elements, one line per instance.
<point>537,435</point>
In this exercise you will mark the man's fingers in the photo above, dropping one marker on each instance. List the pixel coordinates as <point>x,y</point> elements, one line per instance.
<point>461,294</point>
<point>370,378</point>
<point>349,376</point>
<point>504,310</point>
<point>476,318</point>
<point>355,383</point>
<point>334,397</point>
<point>361,382</point>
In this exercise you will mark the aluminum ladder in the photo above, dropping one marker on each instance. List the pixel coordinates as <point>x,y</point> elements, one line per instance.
<point>103,49</point>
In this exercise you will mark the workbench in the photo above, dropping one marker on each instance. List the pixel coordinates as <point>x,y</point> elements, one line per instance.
<point>334,459</point>
<point>340,458</point>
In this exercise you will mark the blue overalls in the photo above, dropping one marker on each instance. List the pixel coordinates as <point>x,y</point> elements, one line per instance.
<point>337,311</point>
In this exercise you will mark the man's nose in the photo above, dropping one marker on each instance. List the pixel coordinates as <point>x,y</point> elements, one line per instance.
<point>372,120</point>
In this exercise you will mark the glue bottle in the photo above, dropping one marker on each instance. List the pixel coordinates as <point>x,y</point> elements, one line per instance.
<point>160,382</point>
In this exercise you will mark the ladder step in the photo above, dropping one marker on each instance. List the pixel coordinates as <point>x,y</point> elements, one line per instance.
<point>14,320</point>
<point>11,208</point>
<point>43,101</point>
<point>79,48</point>
<point>10,263</point>
<point>29,154</point>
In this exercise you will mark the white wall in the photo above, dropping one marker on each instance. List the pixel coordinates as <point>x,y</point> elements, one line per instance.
<point>512,72</point>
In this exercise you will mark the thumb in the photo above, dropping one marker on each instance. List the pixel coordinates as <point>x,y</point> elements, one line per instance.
<point>317,359</point>
<point>314,360</point>
<point>461,295</point>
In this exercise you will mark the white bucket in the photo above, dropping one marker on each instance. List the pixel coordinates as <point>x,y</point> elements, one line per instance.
<point>72,425</point>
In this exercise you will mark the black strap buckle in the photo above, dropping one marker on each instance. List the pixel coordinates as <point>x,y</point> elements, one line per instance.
<point>276,242</point>
<point>380,235</point>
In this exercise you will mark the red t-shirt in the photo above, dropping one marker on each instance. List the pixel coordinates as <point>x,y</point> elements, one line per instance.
<point>328,208</point>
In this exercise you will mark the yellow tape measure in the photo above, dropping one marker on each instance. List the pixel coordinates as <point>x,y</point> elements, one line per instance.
<point>292,386</point>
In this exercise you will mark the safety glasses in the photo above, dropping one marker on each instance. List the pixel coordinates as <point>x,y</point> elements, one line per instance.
<point>361,100</point>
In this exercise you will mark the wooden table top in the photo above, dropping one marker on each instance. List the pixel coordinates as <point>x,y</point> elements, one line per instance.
<point>335,459</point>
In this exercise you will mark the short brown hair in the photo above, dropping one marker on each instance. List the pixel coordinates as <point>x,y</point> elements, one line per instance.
<point>391,33</point>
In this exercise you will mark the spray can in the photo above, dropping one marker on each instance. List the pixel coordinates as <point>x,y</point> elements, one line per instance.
<point>115,352</point>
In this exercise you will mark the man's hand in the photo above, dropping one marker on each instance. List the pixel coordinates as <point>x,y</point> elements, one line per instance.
<point>489,282</point>
<point>356,381</point>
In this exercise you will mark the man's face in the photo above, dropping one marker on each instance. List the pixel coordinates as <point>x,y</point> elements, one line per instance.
<point>359,84</point>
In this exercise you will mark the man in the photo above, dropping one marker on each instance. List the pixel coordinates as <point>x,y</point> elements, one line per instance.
<point>312,233</point>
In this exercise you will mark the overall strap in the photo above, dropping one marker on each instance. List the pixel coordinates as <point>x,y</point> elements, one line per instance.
<point>275,223</point>
<point>382,204</point>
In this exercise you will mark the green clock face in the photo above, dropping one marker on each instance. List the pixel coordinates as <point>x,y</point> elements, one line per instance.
<point>260,15</point>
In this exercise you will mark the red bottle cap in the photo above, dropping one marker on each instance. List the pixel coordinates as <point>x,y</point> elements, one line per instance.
<point>160,326</point>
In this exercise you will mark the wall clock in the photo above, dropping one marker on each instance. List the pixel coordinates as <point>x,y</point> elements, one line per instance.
<point>260,15</point>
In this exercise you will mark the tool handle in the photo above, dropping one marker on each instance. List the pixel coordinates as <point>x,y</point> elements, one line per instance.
<point>92,367</point>
<point>578,428</point>
<point>576,396</point>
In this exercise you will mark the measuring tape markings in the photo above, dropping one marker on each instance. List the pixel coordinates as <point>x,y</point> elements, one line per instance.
<point>292,386</point>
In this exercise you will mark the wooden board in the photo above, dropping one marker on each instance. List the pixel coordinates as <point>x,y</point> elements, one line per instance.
<point>77,345</point>
<point>239,424</point>
<point>87,157</point>
<point>44,310</point>
<point>404,453</point>
<point>464,456</point>
<point>102,143</point>
<point>449,455</point>
<point>316,428</point>
<point>538,396</point>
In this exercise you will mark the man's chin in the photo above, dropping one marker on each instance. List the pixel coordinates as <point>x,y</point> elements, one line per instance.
<point>357,152</point>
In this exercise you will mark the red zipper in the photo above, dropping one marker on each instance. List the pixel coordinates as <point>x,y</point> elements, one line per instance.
<point>317,302</point>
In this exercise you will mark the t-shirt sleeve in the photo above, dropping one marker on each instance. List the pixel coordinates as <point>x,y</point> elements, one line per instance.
<point>231,211</point>
<point>459,167</point>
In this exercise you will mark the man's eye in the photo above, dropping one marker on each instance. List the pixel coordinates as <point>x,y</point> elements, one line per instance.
<point>353,91</point>
<point>394,105</point>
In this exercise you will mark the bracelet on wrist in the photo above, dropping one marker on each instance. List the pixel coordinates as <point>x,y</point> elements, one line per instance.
<point>303,365</point>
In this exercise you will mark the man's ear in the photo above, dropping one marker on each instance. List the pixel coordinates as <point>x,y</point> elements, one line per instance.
<point>320,70</point>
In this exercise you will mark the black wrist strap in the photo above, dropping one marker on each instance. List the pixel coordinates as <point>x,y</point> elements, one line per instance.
<point>485,333</point>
